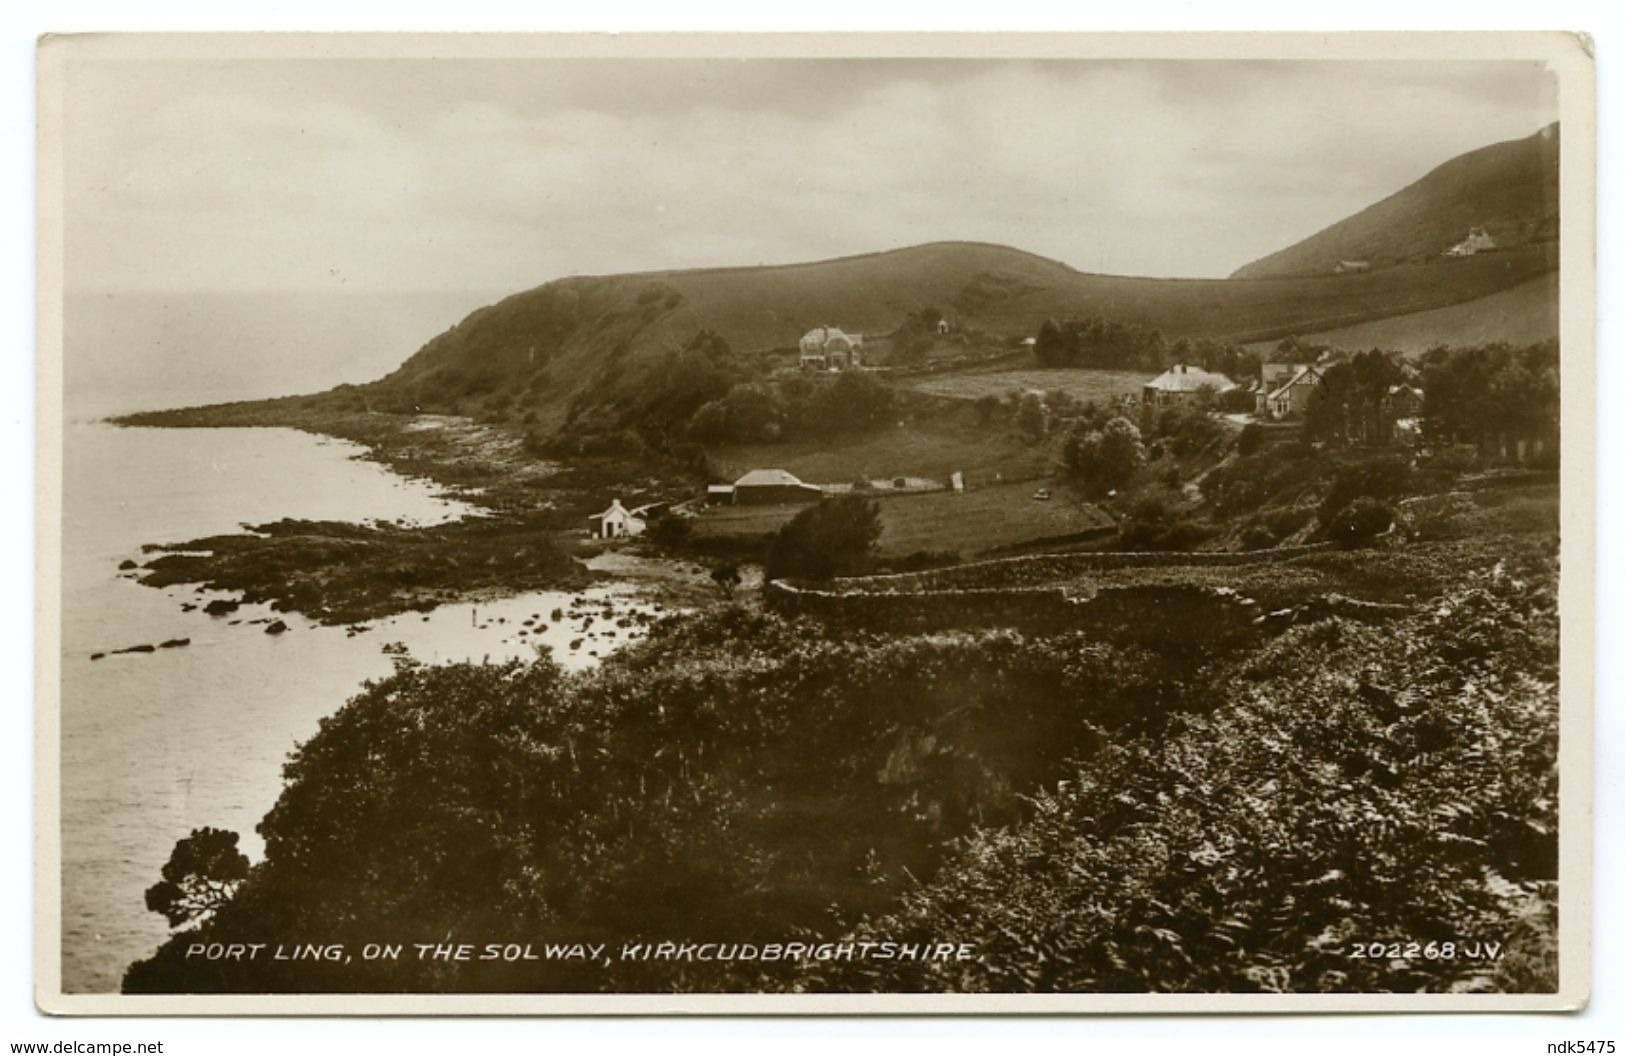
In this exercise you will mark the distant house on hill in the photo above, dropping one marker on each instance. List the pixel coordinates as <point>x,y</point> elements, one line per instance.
<point>1285,393</point>
<point>830,348</point>
<point>1183,383</point>
<point>1344,267</point>
<point>1477,241</point>
<point>618,521</point>
<point>764,487</point>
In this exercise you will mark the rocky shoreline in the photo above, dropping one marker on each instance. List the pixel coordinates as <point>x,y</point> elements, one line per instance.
<point>526,537</point>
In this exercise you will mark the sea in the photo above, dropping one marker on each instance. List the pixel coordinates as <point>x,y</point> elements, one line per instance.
<point>155,744</point>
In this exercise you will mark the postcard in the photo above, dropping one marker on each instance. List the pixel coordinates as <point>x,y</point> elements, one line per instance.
<point>815,524</point>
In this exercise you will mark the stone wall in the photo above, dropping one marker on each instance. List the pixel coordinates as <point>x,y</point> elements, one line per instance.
<point>1037,569</point>
<point>1152,615</point>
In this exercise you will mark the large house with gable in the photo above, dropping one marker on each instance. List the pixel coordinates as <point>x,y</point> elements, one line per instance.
<point>830,348</point>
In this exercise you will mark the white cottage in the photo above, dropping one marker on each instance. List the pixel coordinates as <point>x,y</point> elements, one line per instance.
<point>618,522</point>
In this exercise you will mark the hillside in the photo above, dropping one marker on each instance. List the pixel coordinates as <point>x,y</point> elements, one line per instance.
<point>1524,315</point>
<point>1509,189</point>
<point>599,340</point>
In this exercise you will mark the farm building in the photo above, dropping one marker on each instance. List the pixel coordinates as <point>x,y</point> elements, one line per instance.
<point>763,487</point>
<point>618,522</point>
<point>830,348</point>
<point>1344,267</point>
<point>1182,383</point>
<point>1288,398</point>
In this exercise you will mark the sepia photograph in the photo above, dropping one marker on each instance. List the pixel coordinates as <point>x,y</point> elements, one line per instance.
<point>866,523</point>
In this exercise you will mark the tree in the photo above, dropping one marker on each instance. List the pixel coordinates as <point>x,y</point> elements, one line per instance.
<point>825,539</point>
<point>1105,458</point>
<point>986,407</point>
<point>857,401</point>
<point>1032,417</point>
<point>202,874</point>
<point>726,577</point>
<point>1050,347</point>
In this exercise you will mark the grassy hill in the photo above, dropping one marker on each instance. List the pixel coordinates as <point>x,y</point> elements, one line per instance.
<point>602,339</point>
<point>1509,189</point>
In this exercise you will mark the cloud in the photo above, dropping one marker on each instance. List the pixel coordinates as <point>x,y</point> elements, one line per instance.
<point>412,175</point>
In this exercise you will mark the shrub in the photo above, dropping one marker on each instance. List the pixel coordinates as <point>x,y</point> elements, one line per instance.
<point>1257,537</point>
<point>1360,521</point>
<point>671,530</point>
<point>1387,477</point>
<point>1251,439</point>
<point>1455,459</point>
<point>1155,522</point>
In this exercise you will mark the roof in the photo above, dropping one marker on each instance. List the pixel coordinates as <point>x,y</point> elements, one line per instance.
<point>1299,376</point>
<point>719,489</point>
<point>1184,378</point>
<point>761,478</point>
<point>826,338</point>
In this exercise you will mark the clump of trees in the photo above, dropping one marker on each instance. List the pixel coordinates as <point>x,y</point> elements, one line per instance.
<point>916,336</point>
<point>1099,342</point>
<point>1492,397</point>
<point>833,536</point>
<point>1103,343</point>
<point>1104,457</point>
<point>1352,403</point>
<point>798,407</point>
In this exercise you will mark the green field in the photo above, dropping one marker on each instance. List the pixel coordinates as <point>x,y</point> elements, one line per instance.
<point>972,522</point>
<point>1102,386</point>
<point>1522,315</point>
<point>933,448</point>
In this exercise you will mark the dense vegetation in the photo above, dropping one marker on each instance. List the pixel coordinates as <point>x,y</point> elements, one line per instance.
<point>737,778</point>
<point>1069,807</point>
<point>1358,785</point>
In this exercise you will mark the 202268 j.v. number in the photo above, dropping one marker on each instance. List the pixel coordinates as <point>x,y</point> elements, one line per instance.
<point>1411,950</point>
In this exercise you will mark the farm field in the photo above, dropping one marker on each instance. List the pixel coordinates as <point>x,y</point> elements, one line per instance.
<point>972,522</point>
<point>1083,385</point>
<point>933,448</point>
<point>1523,315</point>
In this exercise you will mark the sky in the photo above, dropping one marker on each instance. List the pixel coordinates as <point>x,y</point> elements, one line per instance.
<point>490,176</point>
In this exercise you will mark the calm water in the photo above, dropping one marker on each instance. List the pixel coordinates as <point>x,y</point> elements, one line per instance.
<point>154,745</point>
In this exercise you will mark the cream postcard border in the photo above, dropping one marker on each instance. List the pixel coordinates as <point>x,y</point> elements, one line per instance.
<point>1568,54</point>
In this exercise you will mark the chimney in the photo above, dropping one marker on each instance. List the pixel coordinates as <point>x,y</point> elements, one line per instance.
<point>1184,368</point>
